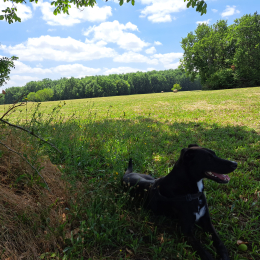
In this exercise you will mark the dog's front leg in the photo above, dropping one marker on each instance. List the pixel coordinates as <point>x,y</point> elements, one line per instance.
<point>187,226</point>
<point>207,226</point>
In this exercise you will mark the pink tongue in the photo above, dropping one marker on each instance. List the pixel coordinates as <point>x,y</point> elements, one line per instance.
<point>222,176</point>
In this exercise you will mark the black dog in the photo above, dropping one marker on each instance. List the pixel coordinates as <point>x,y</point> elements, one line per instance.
<point>181,192</point>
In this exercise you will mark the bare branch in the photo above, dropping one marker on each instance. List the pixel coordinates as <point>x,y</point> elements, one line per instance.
<point>13,105</point>
<point>11,108</point>
<point>31,133</point>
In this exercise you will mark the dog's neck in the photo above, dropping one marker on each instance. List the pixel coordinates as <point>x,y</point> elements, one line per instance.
<point>178,183</point>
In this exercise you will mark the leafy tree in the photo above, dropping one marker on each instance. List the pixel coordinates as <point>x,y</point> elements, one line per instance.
<point>2,99</point>
<point>200,5</point>
<point>203,50</point>
<point>44,94</point>
<point>31,96</point>
<point>212,51</point>
<point>157,82</point>
<point>13,94</point>
<point>108,85</point>
<point>170,79</point>
<point>5,67</point>
<point>123,87</point>
<point>72,89</point>
<point>93,89</point>
<point>246,59</point>
<point>141,83</point>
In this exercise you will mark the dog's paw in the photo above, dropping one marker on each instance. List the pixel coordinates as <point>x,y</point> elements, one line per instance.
<point>222,251</point>
<point>226,257</point>
<point>206,256</point>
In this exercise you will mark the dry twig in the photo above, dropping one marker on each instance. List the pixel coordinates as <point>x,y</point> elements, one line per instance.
<point>21,128</point>
<point>31,133</point>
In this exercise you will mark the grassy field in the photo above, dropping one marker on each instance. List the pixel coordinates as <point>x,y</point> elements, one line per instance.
<point>98,136</point>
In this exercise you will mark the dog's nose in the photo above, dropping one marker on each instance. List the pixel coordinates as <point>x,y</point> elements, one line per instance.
<point>234,165</point>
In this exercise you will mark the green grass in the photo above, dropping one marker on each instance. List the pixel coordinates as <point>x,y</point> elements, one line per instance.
<point>98,136</point>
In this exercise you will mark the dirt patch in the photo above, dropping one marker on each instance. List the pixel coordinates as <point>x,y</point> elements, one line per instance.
<point>199,105</point>
<point>204,105</point>
<point>161,104</point>
<point>137,109</point>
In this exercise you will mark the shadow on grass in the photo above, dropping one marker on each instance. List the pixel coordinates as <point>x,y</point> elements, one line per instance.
<point>153,145</point>
<point>99,152</point>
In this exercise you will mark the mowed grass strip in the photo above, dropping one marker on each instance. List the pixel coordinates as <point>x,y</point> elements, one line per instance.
<point>98,136</point>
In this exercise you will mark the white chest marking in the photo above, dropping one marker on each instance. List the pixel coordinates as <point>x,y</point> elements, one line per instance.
<point>200,185</point>
<point>201,211</point>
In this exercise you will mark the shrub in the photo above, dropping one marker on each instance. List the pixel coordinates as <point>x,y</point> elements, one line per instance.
<point>176,86</point>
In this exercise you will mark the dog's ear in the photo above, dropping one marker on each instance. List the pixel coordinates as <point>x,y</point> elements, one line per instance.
<point>192,145</point>
<point>188,155</point>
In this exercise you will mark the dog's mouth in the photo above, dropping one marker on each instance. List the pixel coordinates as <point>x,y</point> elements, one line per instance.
<point>218,177</point>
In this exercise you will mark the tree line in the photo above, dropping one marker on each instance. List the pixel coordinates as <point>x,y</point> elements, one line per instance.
<point>102,86</point>
<point>224,56</point>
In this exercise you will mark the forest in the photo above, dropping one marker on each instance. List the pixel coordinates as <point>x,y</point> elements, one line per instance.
<point>102,86</point>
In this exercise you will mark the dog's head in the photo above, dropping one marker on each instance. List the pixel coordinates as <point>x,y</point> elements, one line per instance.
<point>202,163</point>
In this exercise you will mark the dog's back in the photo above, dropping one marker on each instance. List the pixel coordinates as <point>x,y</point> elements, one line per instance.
<point>141,183</point>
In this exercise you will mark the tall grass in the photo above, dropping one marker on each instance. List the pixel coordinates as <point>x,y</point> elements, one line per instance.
<point>98,136</point>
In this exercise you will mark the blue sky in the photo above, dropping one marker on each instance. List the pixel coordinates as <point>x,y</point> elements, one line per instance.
<point>106,39</point>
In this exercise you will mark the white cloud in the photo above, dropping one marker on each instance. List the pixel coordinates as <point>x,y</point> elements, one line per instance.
<point>130,56</point>
<point>230,11</point>
<point>150,69</point>
<point>214,10</point>
<point>21,68</point>
<point>58,49</point>
<point>70,70</point>
<point>205,22</point>
<point>18,81</point>
<point>120,70</point>
<point>51,30</point>
<point>159,18</point>
<point>167,59</point>
<point>74,70</point>
<point>116,33</point>
<point>172,65</point>
<point>157,43</point>
<point>24,12</point>
<point>151,50</point>
<point>22,73</point>
<point>160,10</point>
<point>95,14</point>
